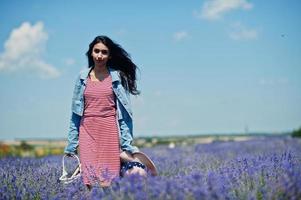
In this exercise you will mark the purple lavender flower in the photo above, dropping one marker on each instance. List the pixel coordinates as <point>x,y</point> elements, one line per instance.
<point>262,168</point>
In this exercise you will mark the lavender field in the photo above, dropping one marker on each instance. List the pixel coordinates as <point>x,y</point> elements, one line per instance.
<point>262,168</point>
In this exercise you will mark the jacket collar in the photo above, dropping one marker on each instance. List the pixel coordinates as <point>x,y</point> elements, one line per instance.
<point>113,72</point>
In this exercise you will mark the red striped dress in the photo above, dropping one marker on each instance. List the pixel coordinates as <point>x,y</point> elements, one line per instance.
<point>98,134</point>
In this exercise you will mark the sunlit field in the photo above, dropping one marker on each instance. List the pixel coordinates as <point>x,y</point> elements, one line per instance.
<point>262,168</point>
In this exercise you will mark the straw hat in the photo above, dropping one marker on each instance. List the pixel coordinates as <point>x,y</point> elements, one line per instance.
<point>142,158</point>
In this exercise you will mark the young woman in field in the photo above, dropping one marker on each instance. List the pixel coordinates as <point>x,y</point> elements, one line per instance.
<point>101,122</point>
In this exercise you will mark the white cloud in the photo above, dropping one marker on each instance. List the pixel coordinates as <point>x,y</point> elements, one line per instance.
<point>180,35</point>
<point>69,61</point>
<point>215,9</point>
<point>273,81</point>
<point>240,32</point>
<point>23,50</point>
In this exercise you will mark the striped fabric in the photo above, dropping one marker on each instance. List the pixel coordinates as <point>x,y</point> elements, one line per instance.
<point>98,134</point>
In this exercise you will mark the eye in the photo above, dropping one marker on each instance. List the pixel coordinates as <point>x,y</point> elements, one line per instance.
<point>105,52</point>
<point>96,50</point>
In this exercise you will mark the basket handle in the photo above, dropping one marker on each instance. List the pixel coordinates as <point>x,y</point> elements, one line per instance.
<point>64,175</point>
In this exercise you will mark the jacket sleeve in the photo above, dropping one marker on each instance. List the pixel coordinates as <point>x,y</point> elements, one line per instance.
<point>73,130</point>
<point>73,133</point>
<point>126,136</point>
<point>126,129</point>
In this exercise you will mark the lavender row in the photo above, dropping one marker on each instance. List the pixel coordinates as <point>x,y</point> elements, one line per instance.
<point>263,168</point>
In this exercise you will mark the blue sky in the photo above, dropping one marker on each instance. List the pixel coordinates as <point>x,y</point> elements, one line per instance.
<point>211,66</point>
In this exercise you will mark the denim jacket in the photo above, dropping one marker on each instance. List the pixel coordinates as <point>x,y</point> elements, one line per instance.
<point>124,112</point>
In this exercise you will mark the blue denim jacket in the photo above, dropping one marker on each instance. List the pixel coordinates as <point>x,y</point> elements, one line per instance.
<point>124,112</point>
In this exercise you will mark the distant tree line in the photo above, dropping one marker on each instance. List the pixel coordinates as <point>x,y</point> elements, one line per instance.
<point>297,133</point>
<point>26,150</point>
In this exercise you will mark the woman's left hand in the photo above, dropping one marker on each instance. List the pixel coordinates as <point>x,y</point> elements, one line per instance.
<point>126,156</point>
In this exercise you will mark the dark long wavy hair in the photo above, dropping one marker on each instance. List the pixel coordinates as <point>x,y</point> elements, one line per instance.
<point>119,60</point>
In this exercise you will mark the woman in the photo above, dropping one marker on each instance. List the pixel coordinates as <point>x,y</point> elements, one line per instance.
<point>101,120</point>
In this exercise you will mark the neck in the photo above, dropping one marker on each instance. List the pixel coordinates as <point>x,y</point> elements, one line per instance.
<point>100,69</point>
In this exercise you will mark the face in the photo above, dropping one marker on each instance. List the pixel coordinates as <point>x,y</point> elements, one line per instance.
<point>100,54</point>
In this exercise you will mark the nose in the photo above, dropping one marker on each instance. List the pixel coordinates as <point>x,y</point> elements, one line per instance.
<point>99,56</point>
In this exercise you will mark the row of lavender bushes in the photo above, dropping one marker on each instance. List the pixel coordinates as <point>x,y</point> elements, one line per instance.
<point>262,168</point>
